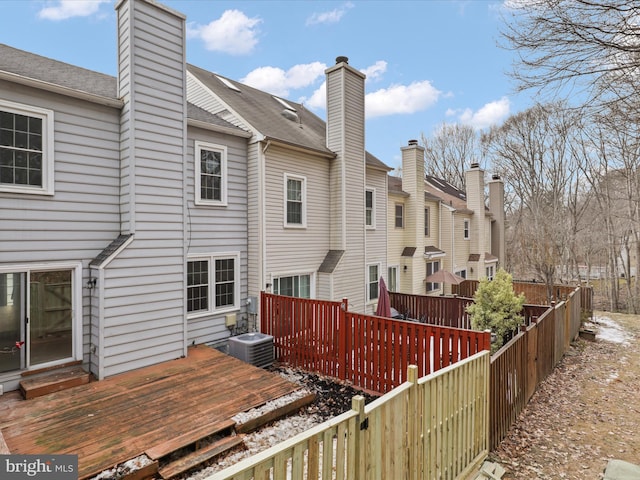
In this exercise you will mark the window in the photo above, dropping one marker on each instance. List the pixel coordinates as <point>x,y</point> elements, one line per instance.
<point>462,273</point>
<point>427,221</point>
<point>373,274</point>
<point>293,286</point>
<point>370,208</point>
<point>432,267</point>
<point>399,215</point>
<point>211,174</point>
<point>490,272</point>
<point>465,228</point>
<point>393,278</point>
<point>295,201</point>
<point>212,284</point>
<point>26,149</point>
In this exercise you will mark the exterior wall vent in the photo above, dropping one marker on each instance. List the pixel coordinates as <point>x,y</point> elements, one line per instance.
<point>253,348</point>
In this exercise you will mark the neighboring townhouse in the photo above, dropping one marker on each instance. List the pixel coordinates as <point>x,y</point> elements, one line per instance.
<point>317,200</point>
<point>434,226</point>
<point>123,219</point>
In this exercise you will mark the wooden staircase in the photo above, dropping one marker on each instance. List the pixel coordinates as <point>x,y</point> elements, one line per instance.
<point>43,382</point>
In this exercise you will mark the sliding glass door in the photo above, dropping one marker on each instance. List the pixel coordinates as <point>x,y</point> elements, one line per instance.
<point>36,318</point>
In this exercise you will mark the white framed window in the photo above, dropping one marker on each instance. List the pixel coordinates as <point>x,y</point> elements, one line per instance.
<point>432,267</point>
<point>213,284</point>
<point>393,278</point>
<point>373,276</point>
<point>399,215</point>
<point>462,273</point>
<point>490,272</point>
<point>427,221</point>
<point>299,286</point>
<point>370,208</point>
<point>26,149</point>
<point>466,229</point>
<point>210,174</point>
<point>295,201</point>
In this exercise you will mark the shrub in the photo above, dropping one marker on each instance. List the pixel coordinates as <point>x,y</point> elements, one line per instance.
<point>496,307</point>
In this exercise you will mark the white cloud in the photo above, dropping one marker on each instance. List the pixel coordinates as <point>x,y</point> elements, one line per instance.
<point>64,9</point>
<point>332,16</point>
<point>490,114</point>
<point>280,82</point>
<point>401,99</point>
<point>318,99</point>
<point>233,33</point>
<point>376,70</point>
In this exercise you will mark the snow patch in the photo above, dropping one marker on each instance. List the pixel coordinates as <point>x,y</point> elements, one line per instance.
<point>610,331</point>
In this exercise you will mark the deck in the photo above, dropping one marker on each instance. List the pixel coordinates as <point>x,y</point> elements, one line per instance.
<point>109,422</point>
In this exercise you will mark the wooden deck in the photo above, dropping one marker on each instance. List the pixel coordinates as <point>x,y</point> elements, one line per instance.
<point>109,422</point>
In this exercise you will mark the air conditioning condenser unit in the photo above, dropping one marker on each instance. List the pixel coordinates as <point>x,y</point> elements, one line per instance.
<point>254,348</point>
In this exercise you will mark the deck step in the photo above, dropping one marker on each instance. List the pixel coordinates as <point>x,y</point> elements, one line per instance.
<point>53,381</point>
<point>200,456</point>
<point>182,441</point>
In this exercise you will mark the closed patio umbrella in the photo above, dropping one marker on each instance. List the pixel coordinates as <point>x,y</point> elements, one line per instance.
<point>384,304</point>
<point>444,276</point>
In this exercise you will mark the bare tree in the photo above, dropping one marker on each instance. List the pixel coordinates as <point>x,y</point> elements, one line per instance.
<point>450,152</point>
<point>576,46</point>
<point>531,151</point>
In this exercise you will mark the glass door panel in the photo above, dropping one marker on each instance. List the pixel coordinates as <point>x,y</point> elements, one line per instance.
<point>51,316</point>
<point>12,308</point>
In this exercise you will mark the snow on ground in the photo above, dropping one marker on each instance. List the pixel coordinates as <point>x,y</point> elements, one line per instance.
<point>609,330</point>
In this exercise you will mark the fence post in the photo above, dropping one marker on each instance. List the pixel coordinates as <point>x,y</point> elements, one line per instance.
<point>359,462</point>
<point>343,332</point>
<point>414,423</point>
<point>487,340</point>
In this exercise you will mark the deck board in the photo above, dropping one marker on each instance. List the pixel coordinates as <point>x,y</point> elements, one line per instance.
<point>111,421</point>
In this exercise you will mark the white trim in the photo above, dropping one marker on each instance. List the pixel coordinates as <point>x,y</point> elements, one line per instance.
<point>211,258</point>
<point>48,151</point>
<point>373,208</point>
<point>303,180</point>
<point>397,277</point>
<point>395,215</point>
<point>368,282</point>
<point>76,302</point>
<point>466,229</point>
<point>222,149</point>
<point>298,273</point>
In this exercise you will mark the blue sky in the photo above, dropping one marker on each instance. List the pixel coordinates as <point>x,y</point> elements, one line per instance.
<point>427,62</point>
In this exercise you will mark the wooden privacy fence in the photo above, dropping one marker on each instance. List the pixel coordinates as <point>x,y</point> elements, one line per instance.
<point>520,365</point>
<point>442,311</point>
<point>431,427</point>
<point>535,293</point>
<point>370,352</point>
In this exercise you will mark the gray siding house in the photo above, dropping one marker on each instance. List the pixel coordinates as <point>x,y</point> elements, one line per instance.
<point>123,208</point>
<point>317,200</point>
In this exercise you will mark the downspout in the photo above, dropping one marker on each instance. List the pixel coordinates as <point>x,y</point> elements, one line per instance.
<point>263,216</point>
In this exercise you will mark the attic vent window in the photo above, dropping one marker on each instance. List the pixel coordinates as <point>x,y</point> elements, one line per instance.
<point>228,84</point>
<point>284,104</point>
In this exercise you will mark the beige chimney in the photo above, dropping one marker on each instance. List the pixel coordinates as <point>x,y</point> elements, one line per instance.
<point>496,206</point>
<point>474,179</point>
<point>345,137</point>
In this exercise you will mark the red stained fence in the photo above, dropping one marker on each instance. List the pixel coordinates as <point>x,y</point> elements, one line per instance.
<point>371,352</point>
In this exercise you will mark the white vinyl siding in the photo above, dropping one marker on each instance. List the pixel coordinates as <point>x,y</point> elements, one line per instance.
<point>26,149</point>
<point>294,249</point>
